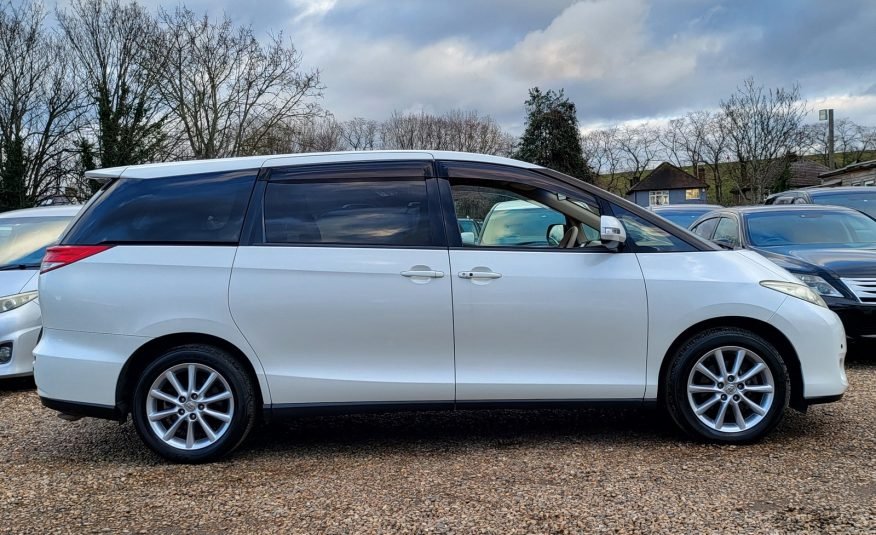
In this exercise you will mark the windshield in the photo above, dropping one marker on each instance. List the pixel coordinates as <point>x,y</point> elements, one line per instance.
<point>23,240</point>
<point>682,218</point>
<point>526,226</point>
<point>836,229</point>
<point>865,201</point>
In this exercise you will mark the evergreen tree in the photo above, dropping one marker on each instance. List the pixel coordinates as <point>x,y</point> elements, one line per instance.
<point>551,137</point>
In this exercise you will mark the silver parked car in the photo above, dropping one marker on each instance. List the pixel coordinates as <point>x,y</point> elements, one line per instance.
<point>24,236</point>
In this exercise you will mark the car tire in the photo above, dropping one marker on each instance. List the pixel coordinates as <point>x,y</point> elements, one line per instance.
<point>197,424</point>
<point>736,404</point>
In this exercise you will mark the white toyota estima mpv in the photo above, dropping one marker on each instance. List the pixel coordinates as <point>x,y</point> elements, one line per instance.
<point>202,296</point>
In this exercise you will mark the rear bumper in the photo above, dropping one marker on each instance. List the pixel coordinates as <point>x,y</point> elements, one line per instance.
<point>107,412</point>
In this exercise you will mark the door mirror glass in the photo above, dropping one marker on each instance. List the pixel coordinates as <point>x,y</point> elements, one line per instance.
<point>555,234</point>
<point>612,233</point>
<point>468,238</point>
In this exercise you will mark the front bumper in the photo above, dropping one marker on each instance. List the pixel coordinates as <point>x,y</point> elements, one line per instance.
<point>21,328</point>
<point>858,319</point>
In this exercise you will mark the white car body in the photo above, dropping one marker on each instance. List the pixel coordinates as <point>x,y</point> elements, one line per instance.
<point>338,326</point>
<point>19,327</point>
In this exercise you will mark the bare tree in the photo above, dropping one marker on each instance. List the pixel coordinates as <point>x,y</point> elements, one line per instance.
<point>457,130</point>
<point>764,127</point>
<point>713,132</point>
<point>604,155</point>
<point>360,133</point>
<point>226,89</point>
<point>639,149</point>
<point>40,109</point>
<point>118,59</point>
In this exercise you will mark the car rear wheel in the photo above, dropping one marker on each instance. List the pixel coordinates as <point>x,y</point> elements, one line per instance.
<point>727,385</point>
<point>194,404</point>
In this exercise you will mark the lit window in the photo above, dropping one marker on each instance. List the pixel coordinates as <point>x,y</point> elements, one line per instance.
<point>692,194</point>
<point>658,197</point>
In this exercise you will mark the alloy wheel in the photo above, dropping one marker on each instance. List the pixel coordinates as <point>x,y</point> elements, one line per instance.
<point>730,389</point>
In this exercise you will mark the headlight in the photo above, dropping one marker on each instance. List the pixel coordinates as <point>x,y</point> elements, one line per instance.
<point>818,284</point>
<point>795,290</point>
<point>14,301</point>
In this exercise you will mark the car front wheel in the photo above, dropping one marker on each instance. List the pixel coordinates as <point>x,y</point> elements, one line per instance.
<point>727,385</point>
<point>194,404</point>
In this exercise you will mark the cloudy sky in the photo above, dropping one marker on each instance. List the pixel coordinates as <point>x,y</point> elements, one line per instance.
<point>619,60</point>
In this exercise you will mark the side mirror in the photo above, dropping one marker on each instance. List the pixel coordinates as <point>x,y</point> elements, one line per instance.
<point>611,232</point>
<point>555,234</point>
<point>468,238</point>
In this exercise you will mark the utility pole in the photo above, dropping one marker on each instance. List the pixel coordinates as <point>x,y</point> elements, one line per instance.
<point>828,115</point>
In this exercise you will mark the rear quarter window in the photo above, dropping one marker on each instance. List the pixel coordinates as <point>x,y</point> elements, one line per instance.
<point>202,208</point>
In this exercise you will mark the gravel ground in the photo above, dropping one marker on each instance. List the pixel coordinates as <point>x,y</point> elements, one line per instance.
<point>471,472</point>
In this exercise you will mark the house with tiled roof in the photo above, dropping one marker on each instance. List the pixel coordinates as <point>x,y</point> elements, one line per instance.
<point>668,184</point>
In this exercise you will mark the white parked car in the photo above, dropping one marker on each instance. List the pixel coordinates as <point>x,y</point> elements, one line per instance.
<point>201,296</point>
<point>24,236</point>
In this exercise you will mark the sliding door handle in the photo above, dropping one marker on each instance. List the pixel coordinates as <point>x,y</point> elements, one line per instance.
<point>423,273</point>
<point>479,275</point>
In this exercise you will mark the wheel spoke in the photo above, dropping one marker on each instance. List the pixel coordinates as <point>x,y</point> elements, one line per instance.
<point>218,415</point>
<point>759,389</point>
<point>756,369</point>
<point>209,432</point>
<point>218,397</point>
<point>172,429</point>
<point>171,378</point>
<point>754,406</point>
<point>208,383</point>
<point>161,415</point>
<point>192,374</point>
<point>737,365</point>
<point>722,366</point>
<point>190,434</point>
<point>163,397</point>
<point>708,404</point>
<point>722,412</point>
<point>702,389</point>
<point>737,413</point>
<point>708,373</point>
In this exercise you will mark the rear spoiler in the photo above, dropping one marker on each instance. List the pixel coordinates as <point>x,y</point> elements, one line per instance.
<point>102,176</point>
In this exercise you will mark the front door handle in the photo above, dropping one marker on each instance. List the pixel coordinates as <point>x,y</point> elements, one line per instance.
<point>423,273</point>
<point>479,275</point>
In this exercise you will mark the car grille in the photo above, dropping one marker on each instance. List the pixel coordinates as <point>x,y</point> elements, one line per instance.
<point>864,289</point>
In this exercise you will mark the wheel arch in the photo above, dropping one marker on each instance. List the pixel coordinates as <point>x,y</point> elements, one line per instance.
<point>149,351</point>
<point>761,328</point>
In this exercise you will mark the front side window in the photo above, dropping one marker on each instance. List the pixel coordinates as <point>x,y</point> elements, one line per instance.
<point>385,212</point>
<point>658,197</point>
<point>23,240</point>
<point>706,228</point>
<point>204,208</point>
<point>727,232</point>
<point>522,216</point>
<point>647,237</point>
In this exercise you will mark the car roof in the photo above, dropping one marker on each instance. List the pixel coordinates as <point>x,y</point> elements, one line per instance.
<point>44,211</point>
<point>785,208</point>
<point>816,190</point>
<point>686,207</point>
<point>165,169</point>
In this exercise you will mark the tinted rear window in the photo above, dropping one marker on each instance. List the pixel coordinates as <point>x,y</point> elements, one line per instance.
<point>203,208</point>
<point>348,212</point>
<point>864,201</point>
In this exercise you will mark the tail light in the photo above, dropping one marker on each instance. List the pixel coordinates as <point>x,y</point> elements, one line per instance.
<point>62,255</point>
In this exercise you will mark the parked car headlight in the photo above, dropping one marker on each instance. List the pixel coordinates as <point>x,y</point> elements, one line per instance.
<point>795,290</point>
<point>11,302</point>
<point>819,285</point>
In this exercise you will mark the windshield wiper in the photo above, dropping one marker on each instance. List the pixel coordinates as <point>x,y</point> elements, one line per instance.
<point>11,267</point>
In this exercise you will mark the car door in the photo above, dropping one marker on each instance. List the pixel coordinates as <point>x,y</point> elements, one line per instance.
<point>532,321</point>
<point>344,289</point>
